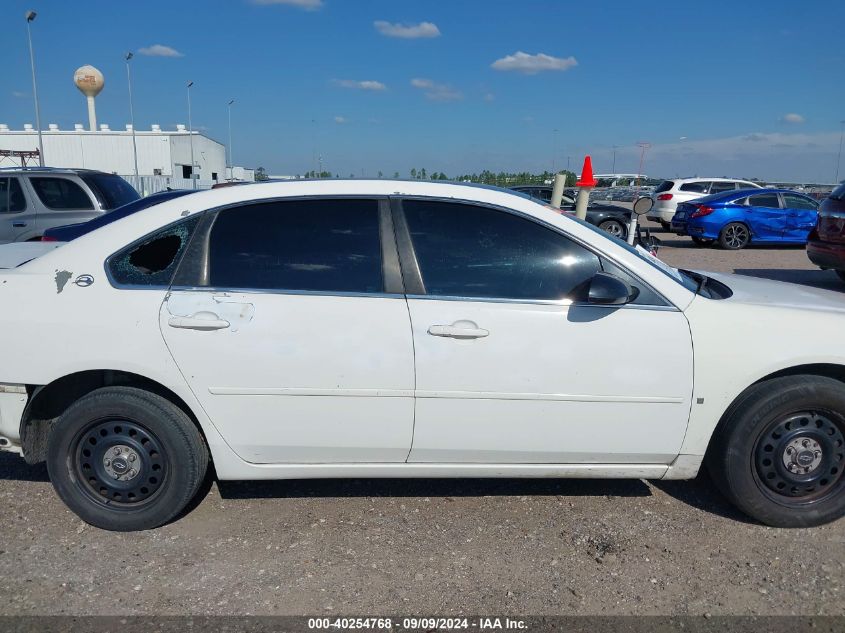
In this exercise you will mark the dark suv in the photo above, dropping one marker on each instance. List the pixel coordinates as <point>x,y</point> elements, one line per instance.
<point>826,244</point>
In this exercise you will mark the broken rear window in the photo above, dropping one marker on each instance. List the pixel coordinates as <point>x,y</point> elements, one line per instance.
<point>152,261</point>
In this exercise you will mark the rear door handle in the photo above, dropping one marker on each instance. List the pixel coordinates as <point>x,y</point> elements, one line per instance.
<point>203,321</point>
<point>469,330</point>
<point>19,225</point>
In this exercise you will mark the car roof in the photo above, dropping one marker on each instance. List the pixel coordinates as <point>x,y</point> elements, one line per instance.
<point>737,194</point>
<point>52,170</point>
<point>707,179</point>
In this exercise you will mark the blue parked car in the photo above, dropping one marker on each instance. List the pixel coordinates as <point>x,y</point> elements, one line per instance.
<point>737,218</point>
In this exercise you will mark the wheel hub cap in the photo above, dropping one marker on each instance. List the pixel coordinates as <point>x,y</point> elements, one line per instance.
<point>121,463</point>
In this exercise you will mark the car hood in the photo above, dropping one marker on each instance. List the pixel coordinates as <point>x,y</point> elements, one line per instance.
<point>765,292</point>
<point>17,253</point>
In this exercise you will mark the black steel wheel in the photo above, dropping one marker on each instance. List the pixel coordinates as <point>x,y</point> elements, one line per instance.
<point>614,227</point>
<point>799,458</point>
<point>779,451</point>
<point>118,462</point>
<point>734,236</point>
<point>126,459</point>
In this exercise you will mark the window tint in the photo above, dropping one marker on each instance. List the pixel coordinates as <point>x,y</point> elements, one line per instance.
<point>60,193</point>
<point>153,261</point>
<point>799,202</point>
<point>719,187</point>
<point>11,196</point>
<point>666,185</point>
<point>112,191</point>
<point>695,187</point>
<point>768,200</point>
<point>472,251</point>
<point>318,245</point>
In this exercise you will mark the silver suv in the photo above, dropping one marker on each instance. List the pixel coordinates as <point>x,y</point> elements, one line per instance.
<point>33,199</point>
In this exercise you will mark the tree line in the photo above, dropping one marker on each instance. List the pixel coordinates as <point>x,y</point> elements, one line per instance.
<point>486,177</point>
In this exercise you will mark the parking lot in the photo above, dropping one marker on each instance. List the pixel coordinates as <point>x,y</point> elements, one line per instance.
<point>424,547</point>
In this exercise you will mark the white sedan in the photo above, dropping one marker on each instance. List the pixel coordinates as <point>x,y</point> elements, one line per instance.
<point>407,329</point>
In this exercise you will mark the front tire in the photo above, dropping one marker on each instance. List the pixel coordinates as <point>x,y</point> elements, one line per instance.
<point>125,459</point>
<point>734,236</point>
<point>779,454</point>
<point>615,228</point>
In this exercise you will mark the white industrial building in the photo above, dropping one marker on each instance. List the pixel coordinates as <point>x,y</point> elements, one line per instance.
<point>163,154</point>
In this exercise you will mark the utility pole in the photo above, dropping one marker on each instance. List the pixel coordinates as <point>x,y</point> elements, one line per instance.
<point>613,170</point>
<point>231,160</point>
<point>127,57</point>
<point>30,16</point>
<point>191,137</point>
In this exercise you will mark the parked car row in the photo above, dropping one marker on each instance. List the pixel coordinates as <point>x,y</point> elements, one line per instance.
<point>670,193</point>
<point>33,200</point>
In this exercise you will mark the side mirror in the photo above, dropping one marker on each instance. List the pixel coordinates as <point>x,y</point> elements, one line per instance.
<point>607,289</point>
<point>643,205</point>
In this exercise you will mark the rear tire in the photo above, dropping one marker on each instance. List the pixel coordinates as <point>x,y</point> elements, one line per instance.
<point>779,453</point>
<point>126,459</point>
<point>734,236</point>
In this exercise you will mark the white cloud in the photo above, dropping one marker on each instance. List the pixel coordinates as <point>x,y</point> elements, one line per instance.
<point>308,5</point>
<point>160,50</point>
<point>19,95</point>
<point>792,117</point>
<point>489,96</point>
<point>340,120</point>
<point>435,91</point>
<point>370,84</point>
<point>533,64</point>
<point>407,31</point>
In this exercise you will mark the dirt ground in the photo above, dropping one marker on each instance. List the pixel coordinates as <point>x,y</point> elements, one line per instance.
<point>425,547</point>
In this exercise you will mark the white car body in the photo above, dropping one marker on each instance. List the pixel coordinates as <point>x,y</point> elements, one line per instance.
<point>315,384</point>
<point>666,201</point>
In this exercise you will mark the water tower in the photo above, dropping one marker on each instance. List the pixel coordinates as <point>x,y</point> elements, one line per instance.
<point>90,82</point>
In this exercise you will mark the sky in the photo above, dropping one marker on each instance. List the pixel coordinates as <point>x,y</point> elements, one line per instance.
<point>747,89</point>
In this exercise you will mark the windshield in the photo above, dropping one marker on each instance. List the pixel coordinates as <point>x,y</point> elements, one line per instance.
<point>112,191</point>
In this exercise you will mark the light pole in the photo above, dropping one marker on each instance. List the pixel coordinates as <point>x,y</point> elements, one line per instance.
<point>127,57</point>
<point>191,137</point>
<point>30,16</point>
<point>231,161</point>
<point>839,156</point>
<point>554,153</point>
<point>614,160</point>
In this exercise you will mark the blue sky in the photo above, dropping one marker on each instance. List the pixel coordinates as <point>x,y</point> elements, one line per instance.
<point>749,88</point>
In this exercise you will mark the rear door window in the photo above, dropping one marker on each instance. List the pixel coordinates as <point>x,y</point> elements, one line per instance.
<point>11,196</point>
<point>60,194</point>
<point>701,186</point>
<point>719,187</point>
<point>666,185</point>
<point>330,245</point>
<point>765,200</point>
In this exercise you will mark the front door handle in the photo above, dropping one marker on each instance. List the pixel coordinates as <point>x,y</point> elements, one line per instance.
<point>459,329</point>
<point>19,225</point>
<point>203,321</point>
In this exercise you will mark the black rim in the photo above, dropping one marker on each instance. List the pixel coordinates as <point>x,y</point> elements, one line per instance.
<point>800,457</point>
<point>118,463</point>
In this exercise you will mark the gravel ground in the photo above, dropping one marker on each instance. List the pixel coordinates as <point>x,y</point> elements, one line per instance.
<point>432,546</point>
